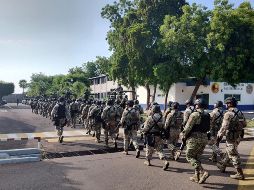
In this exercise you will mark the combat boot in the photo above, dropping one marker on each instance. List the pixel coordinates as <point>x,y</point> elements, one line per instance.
<point>221,167</point>
<point>125,152</point>
<point>195,177</point>
<point>115,145</point>
<point>106,143</point>
<point>239,174</point>
<point>173,152</point>
<point>177,155</point>
<point>213,157</point>
<point>203,176</point>
<point>61,139</point>
<point>147,162</point>
<point>137,153</point>
<point>166,165</point>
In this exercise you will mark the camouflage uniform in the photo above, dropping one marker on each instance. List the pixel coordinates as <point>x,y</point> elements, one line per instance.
<point>97,123</point>
<point>84,114</point>
<point>90,120</point>
<point>129,121</point>
<point>153,127</point>
<point>196,142</point>
<point>173,125</point>
<point>189,110</point>
<point>216,120</point>
<point>109,115</point>
<point>230,128</point>
<point>62,121</point>
<point>74,108</point>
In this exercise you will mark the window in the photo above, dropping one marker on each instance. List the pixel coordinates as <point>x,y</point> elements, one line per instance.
<point>97,81</point>
<point>237,96</point>
<point>103,80</point>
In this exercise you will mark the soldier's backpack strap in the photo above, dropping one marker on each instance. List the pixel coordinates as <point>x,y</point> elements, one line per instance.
<point>192,110</point>
<point>155,123</point>
<point>219,116</point>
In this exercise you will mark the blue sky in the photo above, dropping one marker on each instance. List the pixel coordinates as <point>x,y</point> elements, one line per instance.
<point>51,36</point>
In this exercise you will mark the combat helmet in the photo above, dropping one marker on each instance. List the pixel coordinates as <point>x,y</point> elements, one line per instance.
<point>218,104</point>
<point>201,103</point>
<point>231,100</point>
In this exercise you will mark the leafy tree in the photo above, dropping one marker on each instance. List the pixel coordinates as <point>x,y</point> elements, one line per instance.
<point>78,88</point>
<point>133,39</point>
<point>23,84</point>
<point>39,85</point>
<point>185,38</point>
<point>121,15</point>
<point>103,65</point>
<point>232,41</point>
<point>90,69</point>
<point>6,89</point>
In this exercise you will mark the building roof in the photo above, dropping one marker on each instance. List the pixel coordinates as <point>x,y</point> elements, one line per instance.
<point>100,76</point>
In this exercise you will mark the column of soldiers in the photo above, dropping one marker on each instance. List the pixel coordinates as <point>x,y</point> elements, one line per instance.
<point>196,128</point>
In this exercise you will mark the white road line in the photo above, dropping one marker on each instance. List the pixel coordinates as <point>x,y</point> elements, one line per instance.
<point>13,136</point>
<point>30,135</point>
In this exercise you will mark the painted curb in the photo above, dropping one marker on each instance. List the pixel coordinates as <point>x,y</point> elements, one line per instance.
<point>19,160</point>
<point>17,152</point>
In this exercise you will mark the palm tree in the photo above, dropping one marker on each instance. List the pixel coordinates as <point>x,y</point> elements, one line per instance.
<point>23,84</point>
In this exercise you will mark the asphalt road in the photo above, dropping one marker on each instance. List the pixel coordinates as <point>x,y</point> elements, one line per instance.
<point>103,170</point>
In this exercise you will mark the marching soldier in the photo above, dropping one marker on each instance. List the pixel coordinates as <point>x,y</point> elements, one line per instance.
<point>90,120</point>
<point>188,111</point>
<point>84,113</point>
<point>153,128</point>
<point>195,135</point>
<point>109,115</point>
<point>173,126</point>
<point>74,108</point>
<point>216,120</point>
<point>130,121</point>
<point>232,127</point>
<point>168,110</point>
<point>95,114</point>
<point>61,116</point>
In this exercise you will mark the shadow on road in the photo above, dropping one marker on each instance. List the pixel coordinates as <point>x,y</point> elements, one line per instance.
<point>39,175</point>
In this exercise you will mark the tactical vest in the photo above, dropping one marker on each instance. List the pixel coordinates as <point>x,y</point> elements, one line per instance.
<point>238,122</point>
<point>218,119</point>
<point>60,114</point>
<point>97,115</point>
<point>203,126</point>
<point>176,121</point>
<point>156,129</point>
<point>132,117</point>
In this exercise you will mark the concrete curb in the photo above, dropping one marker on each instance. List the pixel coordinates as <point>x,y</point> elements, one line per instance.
<point>19,160</point>
<point>15,156</point>
<point>18,152</point>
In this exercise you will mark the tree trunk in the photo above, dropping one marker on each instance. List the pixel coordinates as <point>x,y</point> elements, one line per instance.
<point>166,100</point>
<point>133,94</point>
<point>148,96</point>
<point>154,92</point>
<point>194,93</point>
<point>23,90</point>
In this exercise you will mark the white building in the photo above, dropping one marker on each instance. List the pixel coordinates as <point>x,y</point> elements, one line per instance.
<point>181,91</point>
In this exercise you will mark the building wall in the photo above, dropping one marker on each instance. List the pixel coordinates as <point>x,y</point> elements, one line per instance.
<point>12,98</point>
<point>181,92</point>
